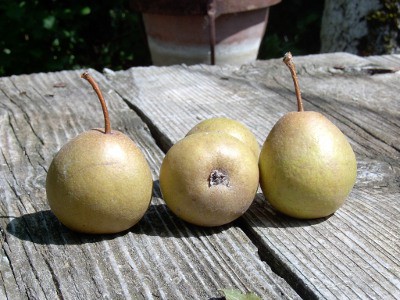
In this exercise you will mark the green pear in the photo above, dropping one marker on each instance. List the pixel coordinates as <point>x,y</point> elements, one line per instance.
<point>209,178</point>
<point>231,127</point>
<point>307,166</point>
<point>99,182</point>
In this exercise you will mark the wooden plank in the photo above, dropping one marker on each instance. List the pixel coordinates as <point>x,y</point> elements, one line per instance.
<point>352,254</point>
<point>391,62</point>
<point>161,257</point>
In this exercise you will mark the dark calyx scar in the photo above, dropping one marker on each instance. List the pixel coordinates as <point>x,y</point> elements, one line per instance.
<point>218,177</point>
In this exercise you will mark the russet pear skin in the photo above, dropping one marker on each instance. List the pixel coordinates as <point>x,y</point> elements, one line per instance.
<point>307,166</point>
<point>186,178</point>
<point>231,127</point>
<point>99,183</point>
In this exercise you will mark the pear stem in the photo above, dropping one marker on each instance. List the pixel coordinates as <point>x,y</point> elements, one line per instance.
<point>107,125</point>
<point>288,60</point>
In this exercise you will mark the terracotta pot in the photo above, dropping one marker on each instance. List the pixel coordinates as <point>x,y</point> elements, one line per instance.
<point>204,31</point>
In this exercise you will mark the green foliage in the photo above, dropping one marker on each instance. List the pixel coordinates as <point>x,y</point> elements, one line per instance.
<point>51,35</point>
<point>294,25</point>
<point>235,294</point>
<point>54,35</point>
<point>384,30</point>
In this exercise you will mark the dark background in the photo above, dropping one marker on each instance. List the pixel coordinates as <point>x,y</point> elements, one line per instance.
<point>50,35</point>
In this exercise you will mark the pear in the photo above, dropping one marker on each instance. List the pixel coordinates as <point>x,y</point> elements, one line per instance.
<point>209,178</point>
<point>231,127</point>
<point>99,182</point>
<point>307,166</point>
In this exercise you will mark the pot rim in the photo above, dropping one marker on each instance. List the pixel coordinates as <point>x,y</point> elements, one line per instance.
<point>197,7</point>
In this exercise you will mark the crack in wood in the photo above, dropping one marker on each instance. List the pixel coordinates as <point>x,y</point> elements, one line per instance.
<point>23,148</point>
<point>24,113</point>
<point>15,132</point>
<point>160,139</point>
<point>32,294</point>
<point>368,70</point>
<point>55,279</point>
<point>364,128</point>
<point>326,111</point>
<point>10,170</point>
<point>6,250</point>
<point>267,255</point>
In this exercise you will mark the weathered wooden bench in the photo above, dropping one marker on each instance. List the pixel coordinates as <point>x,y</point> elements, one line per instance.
<point>353,254</point>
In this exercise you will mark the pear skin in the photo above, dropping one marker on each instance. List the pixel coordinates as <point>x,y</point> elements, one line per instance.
<point>209,178</point>
<point>99,182</point>
<point>231,127</point>
<point>307,167</point>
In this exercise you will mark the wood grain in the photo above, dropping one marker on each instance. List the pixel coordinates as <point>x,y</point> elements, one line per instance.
<point>354,253</point>
<point>161,257</point>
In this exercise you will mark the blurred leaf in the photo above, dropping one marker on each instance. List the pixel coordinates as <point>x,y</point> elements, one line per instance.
<point>234,294</point>
<point>293,26</point>
<point>14,10</point>
<point>49,21</point>
<point>85,11</point>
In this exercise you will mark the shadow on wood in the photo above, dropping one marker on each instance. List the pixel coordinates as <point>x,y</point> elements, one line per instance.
<point>43,227</point>
<point>264,215</point>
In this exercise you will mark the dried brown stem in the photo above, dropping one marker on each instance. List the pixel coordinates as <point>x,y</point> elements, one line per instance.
<point>288,60</point>
<point>107,125</point>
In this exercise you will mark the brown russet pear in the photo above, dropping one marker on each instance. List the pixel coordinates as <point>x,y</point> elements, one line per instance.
<point>209,178</point>
<point>231,127</point>
<point>99,182</point>
<point>307,166</point>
